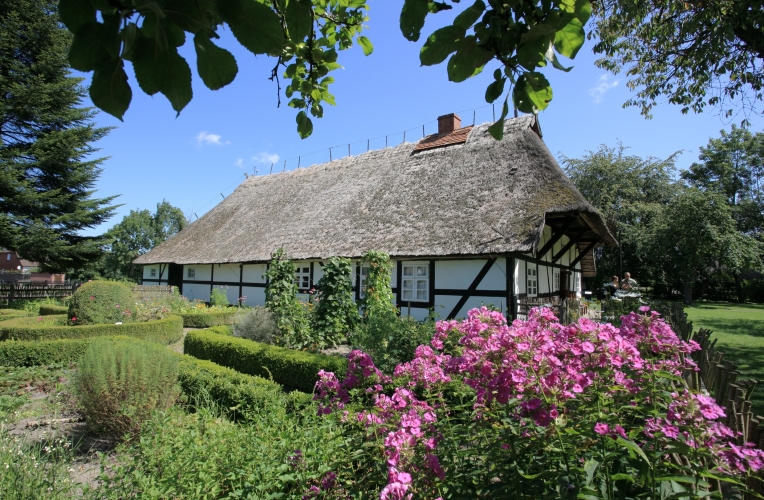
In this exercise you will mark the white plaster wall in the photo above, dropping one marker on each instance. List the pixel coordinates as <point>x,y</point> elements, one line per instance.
<point>318,272</point>
<point>254,273</point>
<point>226,272</point>
<point>418,313</point>
<point>444,304</point>
<point>496,279</point>
<point>457,274</point>
<point>202,271</point>
<point>196,292</point>
<point>477,301</point>
<point>147,272</point>
<point>255,295</point>
<point>231,292</point>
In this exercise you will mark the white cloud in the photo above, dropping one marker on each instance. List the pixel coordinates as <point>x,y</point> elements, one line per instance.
<point>206,139</point>
<point>265,158</point>
<point>239,162</point>
<point>604,84</point>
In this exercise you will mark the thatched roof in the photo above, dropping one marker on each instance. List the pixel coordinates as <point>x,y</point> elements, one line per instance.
<point>480,197</point>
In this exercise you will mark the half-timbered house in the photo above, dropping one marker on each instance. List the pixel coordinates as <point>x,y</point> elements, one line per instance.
<point>467,220</point>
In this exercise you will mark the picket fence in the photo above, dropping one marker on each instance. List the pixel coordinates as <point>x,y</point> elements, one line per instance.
<point>10,292</point>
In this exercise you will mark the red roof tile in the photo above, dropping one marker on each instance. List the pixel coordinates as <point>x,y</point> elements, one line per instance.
<point>458,136</point>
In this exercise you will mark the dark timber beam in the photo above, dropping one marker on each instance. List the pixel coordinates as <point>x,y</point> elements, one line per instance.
<point>556,235</point>
<point>585,251</point>
<point>570,243</point>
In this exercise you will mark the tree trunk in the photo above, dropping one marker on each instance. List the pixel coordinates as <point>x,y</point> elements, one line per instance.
<point>739,287</point>
<point>688,293</point>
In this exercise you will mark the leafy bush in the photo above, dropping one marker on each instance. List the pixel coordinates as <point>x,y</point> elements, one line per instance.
<point>162,331</point>
<point>221,329</point>
<point>378,300</point>
<point>50,309</point>
<point>256,323</point>
<point>100,302</point>
<point>336,312</point>
<point>537,409</point>
<point>391,339</point>
<point>35,470</point>
<point>119,383</point>
<point>46,352</point>
<point>218,298</point>
<point>210,317</point>
<point>201,456</point>
<point>292,369</point>
<point>281,300</point>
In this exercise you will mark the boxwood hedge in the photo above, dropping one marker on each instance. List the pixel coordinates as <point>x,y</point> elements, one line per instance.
<point>208,319</point>
<point>49,309</point>
<point>162,331</point>
<point>294,370</point>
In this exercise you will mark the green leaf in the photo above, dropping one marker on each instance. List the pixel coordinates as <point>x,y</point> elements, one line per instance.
<point>187,16</point>
<point>532,92</point>
<point>173,78</point>
<point>109,89</point>
<point>304,125</point>
<point>495,90</point>
<point>537,31</point>
<point>164,32</point>
<point>75,13</point>
<point>412,18</point>
<point>468,60</point>
<point>366,45</point>
<point>298,19</point>
<point>570,39</point>
<point>94,43</point>
<point>144,62</point>
<point>469,16</point>
<point>440,45</point>
<point>622,477</point>
<point>532,54</point>
<point>632,446</point>
<point>683,479</point>
<point>670,376</point>
<point>497,129</point>
<point>590,466</point>
<point>216,66</point>
<point>254,25</point>
<point>580,9</point>
<point>552,58</point>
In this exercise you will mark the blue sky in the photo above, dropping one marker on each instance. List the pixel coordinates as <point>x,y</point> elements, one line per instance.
<point>192,159</point>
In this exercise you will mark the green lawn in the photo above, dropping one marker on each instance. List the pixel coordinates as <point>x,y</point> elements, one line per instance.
<point>740,330</point>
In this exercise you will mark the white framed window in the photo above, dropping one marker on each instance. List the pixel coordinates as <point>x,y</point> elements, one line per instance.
<point>362,277</point>
<point>153,272</point>
<point>556,280</point>
<point>7,256</point>
<point>302,277</point>
<point>416,283</point>
<point>191,272</point>
<point>532,283</point>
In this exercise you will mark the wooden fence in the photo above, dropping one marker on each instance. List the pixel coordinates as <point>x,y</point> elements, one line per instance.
<point>10,292</point>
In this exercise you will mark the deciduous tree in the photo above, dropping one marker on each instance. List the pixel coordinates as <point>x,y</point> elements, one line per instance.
<point>47,171</point>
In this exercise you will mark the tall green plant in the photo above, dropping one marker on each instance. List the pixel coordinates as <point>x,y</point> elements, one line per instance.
<point>336,312</point>
<point>378,297</point>
<point>281,300</point>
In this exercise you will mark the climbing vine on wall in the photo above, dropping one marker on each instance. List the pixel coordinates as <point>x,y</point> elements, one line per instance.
<point>336,312</point>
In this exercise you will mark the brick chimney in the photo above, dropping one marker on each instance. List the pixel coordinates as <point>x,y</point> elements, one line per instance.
<point>448,123</point>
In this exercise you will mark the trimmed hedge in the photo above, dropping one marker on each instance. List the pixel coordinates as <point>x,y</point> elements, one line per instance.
<point>208,319</point>
<point>161,331</point>
<point>295,370</point>
<point>50,309</point>
<point>222,330</point>
<point>47,352</point>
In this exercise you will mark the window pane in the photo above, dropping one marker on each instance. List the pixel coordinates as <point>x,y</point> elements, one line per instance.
<point>408,284</point>
<point>364,271</point>
<point>421,285</point>
<point>306,270</point>
<point>421,295</point>
<point>408,270</point>
<point>407,294</point>
<point>421,270</point>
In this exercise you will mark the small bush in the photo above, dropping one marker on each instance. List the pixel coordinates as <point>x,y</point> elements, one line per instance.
<point>208,318</point>
<point>99,302</point>
<point>295,370</point>
<point>390,339</point>
<point>47,352</point>
<point>222,330</point>
<point>49,309</point>
<point>256,323</point>
<point>120,382</point>
<point>218,298</point>
<point>162,331</point>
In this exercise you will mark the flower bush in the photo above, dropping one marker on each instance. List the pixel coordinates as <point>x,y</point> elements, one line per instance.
<point>536,409</point>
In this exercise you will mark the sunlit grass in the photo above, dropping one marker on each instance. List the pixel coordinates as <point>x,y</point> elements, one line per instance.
<point>740,330</point>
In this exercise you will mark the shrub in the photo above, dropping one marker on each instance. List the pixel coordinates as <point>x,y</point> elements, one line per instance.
<point>162,331</point>
<point>207,318</point>
<point>281,300</point>
<point>50,309</point>
<point>47,352</point>
<point>99,302</point>
<point>221,330</point>
<point>336,312</point>
<point>120,382</point>
<point>218,298</point>
<point>391,339</point>
<point>256,323</point>
<point>292,369</point>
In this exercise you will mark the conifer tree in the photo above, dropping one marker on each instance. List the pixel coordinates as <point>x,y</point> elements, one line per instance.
<point>47,174</point>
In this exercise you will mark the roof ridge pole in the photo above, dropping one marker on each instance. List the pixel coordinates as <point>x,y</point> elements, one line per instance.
<point>284,170</point>
<point>422,131</point>
<point>299,159</point>
<point>404,136</point>
<point>271,169</point>
<point>493,108</point>
<point>367,144</point>
<point>385,141</point>
<point>348,149</point>
<point>330,154</point>
<point>473,117</point>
